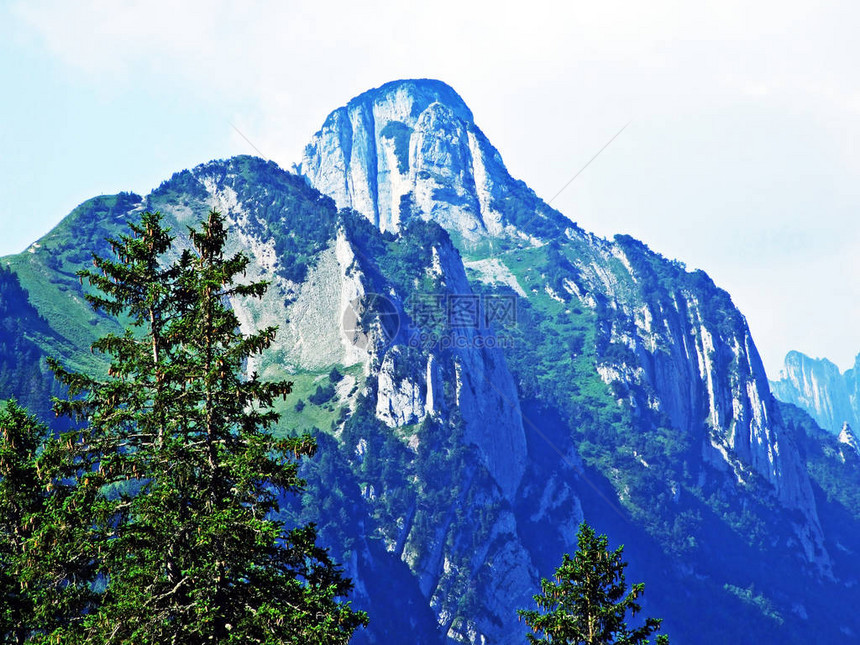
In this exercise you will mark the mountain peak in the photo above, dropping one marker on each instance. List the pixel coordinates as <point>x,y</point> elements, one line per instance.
<point>817,386</point>
<point>411,148</point>
<point>419,92</point>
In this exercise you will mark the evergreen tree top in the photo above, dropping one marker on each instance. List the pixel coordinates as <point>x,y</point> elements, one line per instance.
<point>587,602</point>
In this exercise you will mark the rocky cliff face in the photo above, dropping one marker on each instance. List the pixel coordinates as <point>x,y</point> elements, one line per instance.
<point>697,363</point>
<point>409,138</point>
<point>677,352</point>
<point>816,386</point>
<point>484,395</point>
<point>670,347</point>
<point>848,439</point>
<point>694,362</point>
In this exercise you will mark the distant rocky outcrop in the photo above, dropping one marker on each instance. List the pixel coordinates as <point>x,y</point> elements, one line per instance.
<point>817,386</point>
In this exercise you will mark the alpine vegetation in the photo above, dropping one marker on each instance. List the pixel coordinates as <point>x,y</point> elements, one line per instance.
<point>156,519</point>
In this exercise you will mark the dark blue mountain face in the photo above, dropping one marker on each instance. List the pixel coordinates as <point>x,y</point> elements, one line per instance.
<point>481,375</point>
<point>23,373</point>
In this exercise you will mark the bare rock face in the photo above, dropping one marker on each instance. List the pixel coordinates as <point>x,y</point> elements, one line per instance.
<point>400,401</point>
<point>848,439</point>
<point>701,365</point>
<point>816,386</point>
<point>413,138</point>
<point>308,312</point>
<point>484,392</point>
<point>689,356</point>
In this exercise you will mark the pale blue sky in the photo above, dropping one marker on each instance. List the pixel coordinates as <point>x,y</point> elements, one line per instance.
<point>741,158</point>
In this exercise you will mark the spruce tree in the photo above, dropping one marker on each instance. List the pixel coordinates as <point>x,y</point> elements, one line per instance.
<point>21,502</point>
<point>172,479</point>
<point>587,602</point>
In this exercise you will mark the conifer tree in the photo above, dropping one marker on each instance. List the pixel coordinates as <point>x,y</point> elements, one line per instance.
<point>587,602</point>
<point>21,501</point>
<point>172,481</point>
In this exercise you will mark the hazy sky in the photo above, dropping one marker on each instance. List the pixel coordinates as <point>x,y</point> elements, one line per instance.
<point>741,157</point>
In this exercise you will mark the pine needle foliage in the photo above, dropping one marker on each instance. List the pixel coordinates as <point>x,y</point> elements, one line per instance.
<point>170,486</point>
<point>21,502</point>
<point>587,602</point>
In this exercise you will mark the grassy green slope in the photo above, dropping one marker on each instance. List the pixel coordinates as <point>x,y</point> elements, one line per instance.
<point>47,271</point>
